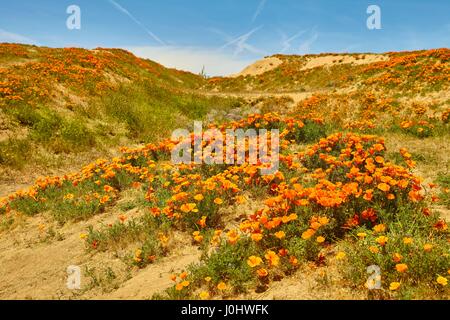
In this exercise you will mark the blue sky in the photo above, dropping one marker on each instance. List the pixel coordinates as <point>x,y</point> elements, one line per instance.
<point>226,35</point>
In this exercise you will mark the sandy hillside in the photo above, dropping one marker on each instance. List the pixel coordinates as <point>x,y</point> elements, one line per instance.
<point>259,67</point>
<point>270,63</point>
<point>329,60</point>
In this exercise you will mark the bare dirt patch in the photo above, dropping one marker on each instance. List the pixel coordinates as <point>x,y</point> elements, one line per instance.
<point>156,277</point>
<point>330,60</point>
<point>259,67</point>
<point>36,253</point>
<point>311,282</point>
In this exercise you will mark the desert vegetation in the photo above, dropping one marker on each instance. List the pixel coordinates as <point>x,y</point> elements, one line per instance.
<point>362,183</point>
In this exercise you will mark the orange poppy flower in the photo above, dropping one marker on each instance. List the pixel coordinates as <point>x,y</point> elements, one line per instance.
<point>441,225</point>
<point>308,234</point>
<point>107,188</point>
<point>104,199</point>
<point>197,236</point>
<point>384,187</point>
<point>254,261</point>
<point>272,258</point>
<point>394,286</point>
<point>188,207</point>
<point>222,286</point>
<point>315,225</point>
<point>401,267</point>
<point>179,287</point>
<point>368,179</point>
<point>204,295</point>
<point>374,249</point>
<point>280,234</point>
<point>341,255</point>
<point>233,236</point>
<point>379,159</point>
<point>397,257</point>
<point>202,222</point>
<point>382,240</point>
<point>256,237</point>
<point>262,273</point>
<point>442,281</point>
<point>368,195</point>
<point>407,240</point>
<point>414,196</point>
<point>379,228</point>
<point>198,197</point>
<point>293,260</point>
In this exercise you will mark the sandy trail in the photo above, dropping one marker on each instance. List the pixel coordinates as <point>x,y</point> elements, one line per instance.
<point>311,283</point>
<point>296,96</point>
<point>156,277</point>
<point>33,267</point>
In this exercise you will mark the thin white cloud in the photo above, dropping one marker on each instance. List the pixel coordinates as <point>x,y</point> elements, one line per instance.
<point>127,13</point>
<point>305,46</point>
<point>6,36</point>
<point>240,43</point>
<point>286,41</point>
<point>259,9</point>
<point>193,59</point>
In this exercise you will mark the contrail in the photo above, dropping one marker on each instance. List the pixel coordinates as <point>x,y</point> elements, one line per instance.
<point>259,9</point>
<point>286,42</point>
<point>305,47</point>
<point>241,43</point>
<point>126,12</point>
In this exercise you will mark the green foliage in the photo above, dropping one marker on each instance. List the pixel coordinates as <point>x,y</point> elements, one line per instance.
<point>228,264</point>
<point>311,132</point>
<point>104,278</point>
<point>15,152</point>
<point>423,266</point>
<point>444,182</point>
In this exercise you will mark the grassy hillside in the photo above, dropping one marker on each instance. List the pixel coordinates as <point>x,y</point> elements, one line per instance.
<point>363,179</point>
<point>400,72</point>
<point>63,101</point>
<point>403,96</point>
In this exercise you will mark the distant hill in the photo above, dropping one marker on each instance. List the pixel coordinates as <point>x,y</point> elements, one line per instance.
<point>427,70</point>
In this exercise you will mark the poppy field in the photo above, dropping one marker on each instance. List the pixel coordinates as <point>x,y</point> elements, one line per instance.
<point>362,185</point>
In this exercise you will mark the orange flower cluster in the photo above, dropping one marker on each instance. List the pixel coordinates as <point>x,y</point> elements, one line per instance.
<point>347,169</point>
<point>420,128</point>
<point>45,70</point>
<point>342,182</point>
<point>409,63</point>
